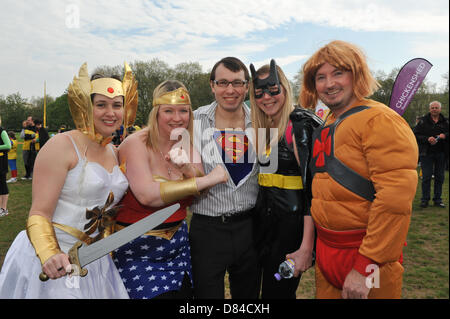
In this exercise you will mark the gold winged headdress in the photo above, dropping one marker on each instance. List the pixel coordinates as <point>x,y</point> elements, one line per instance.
<point>80,103</point>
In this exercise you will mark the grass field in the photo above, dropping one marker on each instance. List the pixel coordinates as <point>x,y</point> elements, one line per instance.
<point>426,257</point>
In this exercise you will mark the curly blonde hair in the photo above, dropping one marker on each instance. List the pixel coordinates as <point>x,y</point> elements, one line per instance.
<point>341,55</point>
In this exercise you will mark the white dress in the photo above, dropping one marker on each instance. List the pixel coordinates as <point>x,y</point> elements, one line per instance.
<point>87,185</point>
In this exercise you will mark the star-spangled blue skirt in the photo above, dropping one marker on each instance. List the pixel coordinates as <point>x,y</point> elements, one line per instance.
<point>150,265</point>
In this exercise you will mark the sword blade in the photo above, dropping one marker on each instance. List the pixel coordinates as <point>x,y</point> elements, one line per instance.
<point>89,253</point>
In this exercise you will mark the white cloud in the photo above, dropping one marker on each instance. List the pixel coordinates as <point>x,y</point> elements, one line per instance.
<point>431,49</point>
<point>44,40</point>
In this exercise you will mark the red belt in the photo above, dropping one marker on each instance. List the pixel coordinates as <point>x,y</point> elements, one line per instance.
<point>336,253</point>
<point>341,239</point>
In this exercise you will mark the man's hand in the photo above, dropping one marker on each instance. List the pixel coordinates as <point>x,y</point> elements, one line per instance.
<point>432,140</point>
<point>355,286</point>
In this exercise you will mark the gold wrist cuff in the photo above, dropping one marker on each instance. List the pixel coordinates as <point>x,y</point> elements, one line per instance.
<point>42,236</point>
<point>172,191</point>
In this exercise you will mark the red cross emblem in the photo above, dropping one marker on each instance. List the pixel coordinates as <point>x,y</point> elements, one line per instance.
<point>322,146</point>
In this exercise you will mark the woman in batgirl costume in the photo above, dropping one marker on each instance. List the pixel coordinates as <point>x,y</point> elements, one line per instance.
<point>161,169</point>
<point>283,225</point>
<point>76,183</point>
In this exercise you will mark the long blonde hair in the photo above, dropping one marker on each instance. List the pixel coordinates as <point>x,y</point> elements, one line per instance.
<point>259,118</point>
<point>341,55</point>
<point>153,127</point>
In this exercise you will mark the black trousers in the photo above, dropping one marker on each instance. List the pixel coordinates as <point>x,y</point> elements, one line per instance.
<point>433,164</point>
<point>217,247</point>
<point>284,236</point>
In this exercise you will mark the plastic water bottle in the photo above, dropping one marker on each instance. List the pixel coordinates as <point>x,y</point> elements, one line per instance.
<point>285,270</point>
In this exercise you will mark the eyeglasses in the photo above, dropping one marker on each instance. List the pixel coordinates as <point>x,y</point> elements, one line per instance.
<point>235,83</point>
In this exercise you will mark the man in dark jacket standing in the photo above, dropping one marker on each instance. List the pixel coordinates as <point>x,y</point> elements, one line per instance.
<point>432,136</point>
<point>42,131</point>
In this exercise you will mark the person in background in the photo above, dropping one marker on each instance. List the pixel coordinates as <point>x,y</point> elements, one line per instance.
<point>62,129</point>
<point>283,224</point>
<point>221,230</point>
<point>364,178</point>
<point>432,136</point>
<point>28,135</point>
<point>5,146</point>
<point>12,157</point>
<point>42,135</point>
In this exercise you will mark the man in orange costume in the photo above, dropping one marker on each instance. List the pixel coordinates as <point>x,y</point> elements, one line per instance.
<point>364,165</point>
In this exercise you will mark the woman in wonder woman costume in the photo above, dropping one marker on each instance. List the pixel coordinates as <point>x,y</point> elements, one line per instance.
<point>161,170</point>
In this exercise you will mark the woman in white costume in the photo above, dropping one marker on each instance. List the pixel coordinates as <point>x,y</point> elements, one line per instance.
<point>76,183</point>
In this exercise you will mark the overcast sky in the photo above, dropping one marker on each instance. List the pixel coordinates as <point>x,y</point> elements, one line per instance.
<point>49,40</point>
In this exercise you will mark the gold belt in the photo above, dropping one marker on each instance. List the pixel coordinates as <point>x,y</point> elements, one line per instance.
<point>280,181</point>
<point>166,233</point>
<point>75,233</point>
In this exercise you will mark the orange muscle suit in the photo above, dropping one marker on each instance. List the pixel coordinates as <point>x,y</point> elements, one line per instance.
<point>379,145</point>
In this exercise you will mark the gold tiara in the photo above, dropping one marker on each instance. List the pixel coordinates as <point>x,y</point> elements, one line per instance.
<point>80,104</point>
<point>107,86</point>
<point>179,96</point>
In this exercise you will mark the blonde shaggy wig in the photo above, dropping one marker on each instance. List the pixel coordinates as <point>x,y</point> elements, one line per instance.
<point>344,56</point>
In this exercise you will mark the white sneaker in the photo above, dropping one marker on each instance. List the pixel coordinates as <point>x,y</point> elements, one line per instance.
<point>12,180</point>
<point>3,212</point>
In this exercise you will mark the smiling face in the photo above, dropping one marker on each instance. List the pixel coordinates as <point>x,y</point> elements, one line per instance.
<point>108,114</point>
<point>229,98</point>
<point>435,109</point>
<point>335,88</point>
<point>172,116</point>
<point>271,105</point>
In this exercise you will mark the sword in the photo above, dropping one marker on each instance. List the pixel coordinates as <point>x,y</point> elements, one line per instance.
<point>81,254</point>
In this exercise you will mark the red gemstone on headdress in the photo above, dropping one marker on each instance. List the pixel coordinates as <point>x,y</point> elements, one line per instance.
<point>182,96</point>
<point>110,90</point>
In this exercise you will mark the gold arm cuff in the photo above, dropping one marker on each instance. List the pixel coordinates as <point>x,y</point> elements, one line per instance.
<point>42,236</point>
<point>172,191</point>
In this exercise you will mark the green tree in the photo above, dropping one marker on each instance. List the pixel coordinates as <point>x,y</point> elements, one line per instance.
<point>148,75</point>
<point>197,82</point>
<point>58,113</point>
<point>13,110</point>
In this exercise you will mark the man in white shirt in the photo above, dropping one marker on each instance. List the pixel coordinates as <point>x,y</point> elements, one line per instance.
<point>221,229</point>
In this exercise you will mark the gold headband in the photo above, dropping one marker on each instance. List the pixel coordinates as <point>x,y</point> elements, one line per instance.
<point>80,104</point>
<point>179,96</point>
<point>107,86</point>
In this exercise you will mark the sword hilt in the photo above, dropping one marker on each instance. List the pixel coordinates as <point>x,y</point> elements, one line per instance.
<point>73,258</point>
<point>43,276</point>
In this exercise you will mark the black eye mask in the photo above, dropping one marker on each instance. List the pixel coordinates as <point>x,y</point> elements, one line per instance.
<point>265,84</point>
